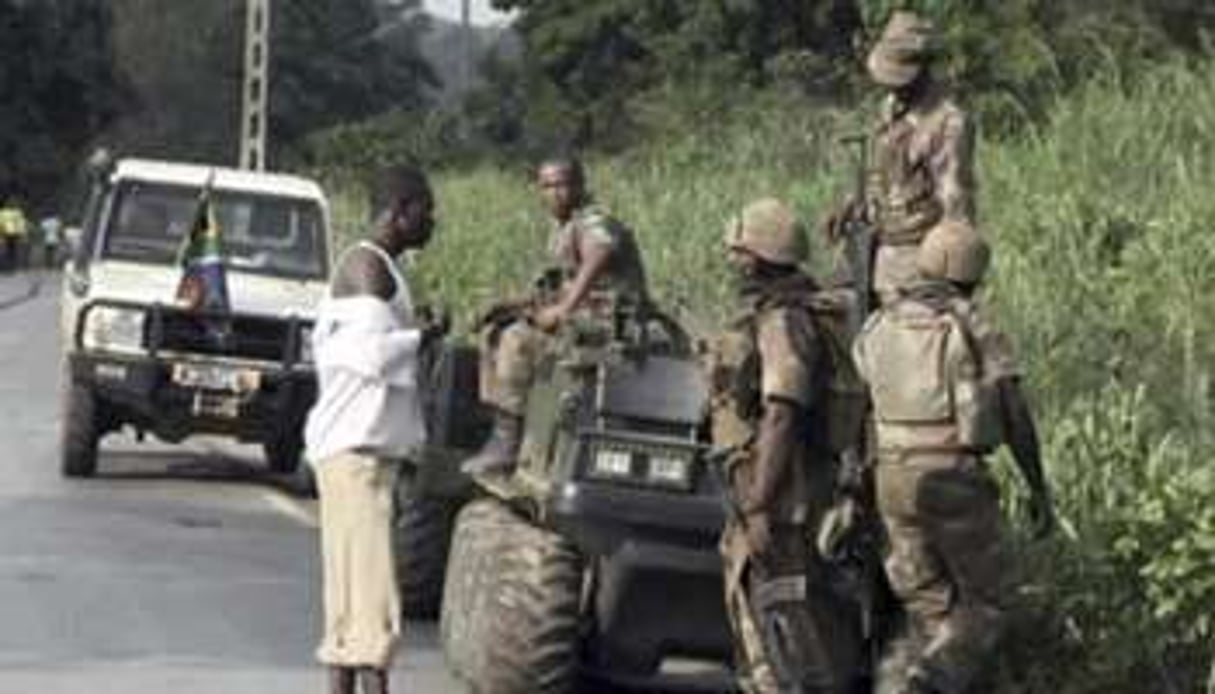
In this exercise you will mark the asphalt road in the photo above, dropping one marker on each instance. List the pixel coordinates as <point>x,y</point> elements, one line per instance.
<point>178,569</point>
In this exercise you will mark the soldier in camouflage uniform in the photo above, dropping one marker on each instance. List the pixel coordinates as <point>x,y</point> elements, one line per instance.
<point>600,267</point>
<point>921,157</point>
<point>793,633</point>
<point>946,392</point>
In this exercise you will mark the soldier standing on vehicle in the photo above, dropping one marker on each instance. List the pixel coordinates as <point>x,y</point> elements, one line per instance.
<point>600,268</point>
<point>946,392</point>
<point>921,156</point>
<point>366,420</point>
<point>770,376</point>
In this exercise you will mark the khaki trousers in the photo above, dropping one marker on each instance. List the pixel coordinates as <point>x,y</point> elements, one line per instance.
<point>362,605</point>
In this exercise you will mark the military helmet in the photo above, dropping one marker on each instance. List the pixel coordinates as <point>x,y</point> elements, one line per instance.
<point>768,229</point>
<point>906,45</point>
<point>954,251</point>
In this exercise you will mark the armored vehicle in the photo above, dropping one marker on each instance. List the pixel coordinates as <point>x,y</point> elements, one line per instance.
<point>597,557</point>
<point>134,355</point>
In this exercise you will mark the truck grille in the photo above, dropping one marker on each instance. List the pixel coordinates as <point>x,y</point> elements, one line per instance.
<point>248,337</point>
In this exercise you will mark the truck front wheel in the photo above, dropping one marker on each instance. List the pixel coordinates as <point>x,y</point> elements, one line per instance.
<point>283,451</point>
<point>81,430</point>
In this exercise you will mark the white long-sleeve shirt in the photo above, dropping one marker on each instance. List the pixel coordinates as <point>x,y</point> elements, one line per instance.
<point>366,354</point>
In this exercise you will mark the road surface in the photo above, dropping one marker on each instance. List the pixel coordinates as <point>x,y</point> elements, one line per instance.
<point>184,570</point>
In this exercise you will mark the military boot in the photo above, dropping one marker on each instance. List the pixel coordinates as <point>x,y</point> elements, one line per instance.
<point>499,453</point>
<point>373,681</point>
<point>341,680</point>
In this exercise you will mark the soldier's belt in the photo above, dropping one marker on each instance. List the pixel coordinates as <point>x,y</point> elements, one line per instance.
<point>784,589</point>
<point>901,453</point>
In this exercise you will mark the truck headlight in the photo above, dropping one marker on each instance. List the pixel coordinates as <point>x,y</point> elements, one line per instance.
<point>667,470</point>
<point>612,463</point>
<point>113,328</point>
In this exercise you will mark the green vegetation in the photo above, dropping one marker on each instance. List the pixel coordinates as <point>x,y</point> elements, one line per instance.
<point>1101,221</point>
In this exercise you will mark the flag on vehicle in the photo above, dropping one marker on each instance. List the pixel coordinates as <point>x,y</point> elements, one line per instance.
<point>204,280</point>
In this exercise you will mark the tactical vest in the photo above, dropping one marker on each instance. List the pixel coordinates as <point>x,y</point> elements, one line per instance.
<point>837,417</point>
<point>903,183</point>
<point>927,382</point>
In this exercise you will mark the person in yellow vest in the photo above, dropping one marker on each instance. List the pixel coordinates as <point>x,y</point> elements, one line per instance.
<point>14,228</point>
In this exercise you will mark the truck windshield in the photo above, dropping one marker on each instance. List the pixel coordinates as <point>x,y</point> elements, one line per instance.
<point>261,234</point>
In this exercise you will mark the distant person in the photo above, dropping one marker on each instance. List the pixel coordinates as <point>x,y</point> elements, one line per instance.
<point>52,235</point>
<point>366,421</point>
<point>600,267</point>
<point>946,393</point>
<point>921,158</point>
<point>15,229</point>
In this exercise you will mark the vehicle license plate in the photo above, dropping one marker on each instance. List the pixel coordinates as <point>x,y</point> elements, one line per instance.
<point>213,377</point>
<point>216,405</point>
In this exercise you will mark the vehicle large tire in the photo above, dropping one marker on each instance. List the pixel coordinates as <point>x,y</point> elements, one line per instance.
<point>421,537</point>
<point>465,589</point>
<point>520,628</point>
<point>81,430</point>
<point>284,451</point>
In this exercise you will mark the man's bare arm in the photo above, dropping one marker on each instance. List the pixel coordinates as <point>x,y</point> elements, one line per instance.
<point>363,273</point>
<point>595,260</point>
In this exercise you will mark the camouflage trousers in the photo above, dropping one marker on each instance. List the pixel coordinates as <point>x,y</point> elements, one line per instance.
<point>791,633</point>
<point>946,563</point>
<point>510,357</point>
<point>894,268</point>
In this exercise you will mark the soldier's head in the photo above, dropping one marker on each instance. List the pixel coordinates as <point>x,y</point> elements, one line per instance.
<point>954,252</point>
<point>562,183</point>
<point>403,203</point>
<point>766,238</point>
<point>901,59</point>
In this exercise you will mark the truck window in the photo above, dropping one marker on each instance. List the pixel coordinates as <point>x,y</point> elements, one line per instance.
<point>261,234</point>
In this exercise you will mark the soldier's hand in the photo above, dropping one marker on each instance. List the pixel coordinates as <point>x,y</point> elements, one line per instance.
<point>833,225</point>
<point>759,533</point>
<point>549,318</point>
<point>1042,519</point>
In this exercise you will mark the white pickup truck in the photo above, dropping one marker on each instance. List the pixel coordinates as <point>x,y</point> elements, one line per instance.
<point>134,356</point>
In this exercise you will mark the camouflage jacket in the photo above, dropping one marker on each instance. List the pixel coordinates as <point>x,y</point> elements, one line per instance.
<point>922,167</point>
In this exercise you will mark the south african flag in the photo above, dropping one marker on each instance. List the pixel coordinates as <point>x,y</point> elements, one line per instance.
<point>204,281</point>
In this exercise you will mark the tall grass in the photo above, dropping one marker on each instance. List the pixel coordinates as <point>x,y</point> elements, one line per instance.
<point>1104,229</point>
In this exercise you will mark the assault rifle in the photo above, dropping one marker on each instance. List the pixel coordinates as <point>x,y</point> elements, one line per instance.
<point>856,228</point>
<point>546,289</point>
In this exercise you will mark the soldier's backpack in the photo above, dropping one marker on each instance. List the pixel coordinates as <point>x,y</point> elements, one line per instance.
<point>843,412</point>
<point>838,419</point>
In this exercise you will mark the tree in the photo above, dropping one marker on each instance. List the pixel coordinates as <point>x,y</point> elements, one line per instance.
<point>60,89</point>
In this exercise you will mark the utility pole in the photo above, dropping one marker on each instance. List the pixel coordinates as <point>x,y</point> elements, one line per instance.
<point>256,87</point>
<point>467,38</point>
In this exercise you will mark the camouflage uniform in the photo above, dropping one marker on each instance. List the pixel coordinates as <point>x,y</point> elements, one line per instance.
<point>780,603</point>
<point>931,359</point>
<point>511,354</point>
<point>923,172</point>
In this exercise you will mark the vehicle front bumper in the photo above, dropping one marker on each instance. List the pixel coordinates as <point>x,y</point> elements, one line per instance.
<point>141,390</point>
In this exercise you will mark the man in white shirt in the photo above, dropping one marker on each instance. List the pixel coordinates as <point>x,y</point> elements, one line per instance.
<point>367,418</point>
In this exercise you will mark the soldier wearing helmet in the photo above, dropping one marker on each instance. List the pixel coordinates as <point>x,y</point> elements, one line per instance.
<point>770,372</point>
<point>921,157</point>
<point>946,392</point>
